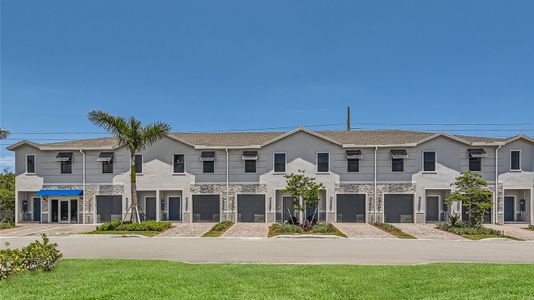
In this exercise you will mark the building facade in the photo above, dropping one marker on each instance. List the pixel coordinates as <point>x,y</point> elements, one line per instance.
<point>368,176</point>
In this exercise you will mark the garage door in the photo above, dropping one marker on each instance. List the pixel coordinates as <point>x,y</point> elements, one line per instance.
<point>351,208</point>
<point>398,208</point>
<point>251,208</point>
<point>206,208</point>
<point>108,208</point>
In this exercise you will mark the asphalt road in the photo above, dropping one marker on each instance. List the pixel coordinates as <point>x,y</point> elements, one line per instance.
<point>305,251</point>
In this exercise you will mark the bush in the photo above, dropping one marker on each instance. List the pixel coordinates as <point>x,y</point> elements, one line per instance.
<point>6,225</point>
<point>531,227</point>
<point>35,256</point>
<point>323,228</point>
<point>286,228</point>
<point>128,226</point>
<point>465,229</point>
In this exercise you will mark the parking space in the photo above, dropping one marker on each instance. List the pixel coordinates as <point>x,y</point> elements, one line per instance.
<point>48,229</point>
<point>515,230</point>
<point>427,231</point>
<point>187,230</point>
<point>362,230</point>
<point>258,230</point>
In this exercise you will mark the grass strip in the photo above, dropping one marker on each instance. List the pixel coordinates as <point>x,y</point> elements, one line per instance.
<point>218,229</point>
<point>394,231</point>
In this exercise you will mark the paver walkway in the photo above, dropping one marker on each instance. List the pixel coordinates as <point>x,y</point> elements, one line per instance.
<point>187,230</point>
<point>259,230</point>
<point>515,230</point>
<point>361,230</point>
<point>36,229</point>
<point>426,231</point>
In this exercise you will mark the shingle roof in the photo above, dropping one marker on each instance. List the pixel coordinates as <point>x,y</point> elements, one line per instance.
<point>244,139</point>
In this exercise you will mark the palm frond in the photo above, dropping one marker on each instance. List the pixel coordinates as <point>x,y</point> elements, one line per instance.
<point>154,132</point>
<point>115,125</point>
<point>3,133</point>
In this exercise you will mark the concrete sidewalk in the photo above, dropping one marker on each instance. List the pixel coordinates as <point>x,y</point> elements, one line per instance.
<point>318,251</point>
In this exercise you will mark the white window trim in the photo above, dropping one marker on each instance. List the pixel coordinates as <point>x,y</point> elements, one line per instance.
<point>285,163</point>
<point>317,163</point>
<point>34,164</point>
<point>142,163</point>
<point>515,170</point>
<point>435,161</point>
<point>172,164</point>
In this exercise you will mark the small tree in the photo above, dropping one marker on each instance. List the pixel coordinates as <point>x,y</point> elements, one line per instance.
<point>472,191</point>
<point>7,196</point>
<point>306,192</point>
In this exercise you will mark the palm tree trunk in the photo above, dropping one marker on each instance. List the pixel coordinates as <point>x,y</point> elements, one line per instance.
<point>133,187</point>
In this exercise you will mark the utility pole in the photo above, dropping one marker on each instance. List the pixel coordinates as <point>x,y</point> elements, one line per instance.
<point>348,118</point>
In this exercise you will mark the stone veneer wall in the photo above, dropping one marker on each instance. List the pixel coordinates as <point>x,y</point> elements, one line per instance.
<point>233,190</point>
<point>91,191</point>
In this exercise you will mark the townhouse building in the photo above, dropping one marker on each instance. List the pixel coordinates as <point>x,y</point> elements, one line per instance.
<point>368,176</point>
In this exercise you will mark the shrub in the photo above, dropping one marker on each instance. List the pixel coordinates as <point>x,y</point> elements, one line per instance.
<point>323,228</point>
<point>286,228</point>
<point>465,229</point>
<point>128,226</point>
<point>6,225</point>
<point>35,256</point>
<point>531,227</point>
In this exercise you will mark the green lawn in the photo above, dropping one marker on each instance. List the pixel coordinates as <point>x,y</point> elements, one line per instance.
<point>132,279</point>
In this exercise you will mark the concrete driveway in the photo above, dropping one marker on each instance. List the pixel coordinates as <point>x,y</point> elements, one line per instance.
<point>426,231</point>
<point>362,231</point>
<point>515,230</point>
<point>48,229</point>
<point>257,230</point>
<point>187,230</point>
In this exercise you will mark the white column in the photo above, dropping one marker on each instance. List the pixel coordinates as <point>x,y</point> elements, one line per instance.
<point>531,205</point>
<point>158,206</point>
<point>16,207</point>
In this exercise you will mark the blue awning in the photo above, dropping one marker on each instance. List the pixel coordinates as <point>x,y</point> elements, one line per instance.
<point>60,193</point>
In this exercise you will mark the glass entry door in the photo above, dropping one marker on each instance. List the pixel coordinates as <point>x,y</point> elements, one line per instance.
<point>64,211</point>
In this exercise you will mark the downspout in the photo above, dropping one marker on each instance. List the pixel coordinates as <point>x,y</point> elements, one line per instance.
<point>495,194</point>
<point>83,185</point>
<point>227,186</point>
<point>376,196</point>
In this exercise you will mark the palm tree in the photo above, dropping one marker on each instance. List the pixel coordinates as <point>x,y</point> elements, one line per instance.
<point>135,137</point>
<point>3,133</point>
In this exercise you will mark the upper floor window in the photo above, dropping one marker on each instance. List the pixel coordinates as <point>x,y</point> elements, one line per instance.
<point>515,160</point>
<point>138,162</point>
<point>250,158</point>
<point>429,161</point>
<point>178,163</point>
<point>353,160</point>
<point>66,162</point>
<point>107,161</point>
<point>208,161</point>
<point>323,162</point>
<point>30,163</point>
<point>475,159</point>
<point>397,160</point>
<point>279,162</point>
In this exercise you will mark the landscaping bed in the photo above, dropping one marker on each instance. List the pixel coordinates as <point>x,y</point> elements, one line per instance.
<point>319,228</point>
<point>473,232</point>
<point>394,231</point>
<point>218,229</point>
<point>146,228</point>
<point>530,227</point>
<point>152,279</point>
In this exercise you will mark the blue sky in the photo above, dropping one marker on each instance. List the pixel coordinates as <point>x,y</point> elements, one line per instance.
<point>223,65</point>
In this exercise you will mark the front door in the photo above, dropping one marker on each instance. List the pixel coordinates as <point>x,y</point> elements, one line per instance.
<point>64,211</point>
<point>55,210</point>
<point>288,209</point>
<point>150,208</point>
<point>74,211</point>
<point>174,209</point>
<point>432,208</point>
<point>509,209</point>
<point>37,209</point>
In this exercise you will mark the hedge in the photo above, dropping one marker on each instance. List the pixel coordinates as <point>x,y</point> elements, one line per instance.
<point>128,226</point>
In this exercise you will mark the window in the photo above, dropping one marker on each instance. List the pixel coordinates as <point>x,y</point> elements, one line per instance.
<point>107,161</point>
<point>30,163</point>
<point>208,161</point>
<point>397,160</point>
<point>250,158</point>
<point>475,159</point>
<point>323,162</point>
<point>515,160</point>
<point>353,160</point>
<point>280,162</point>
<point>138,163</point>
<point>397,165</point>
<point>429,161</point>
<point>65,158</point>
<point>250,166</point>
<point>178,163</point>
